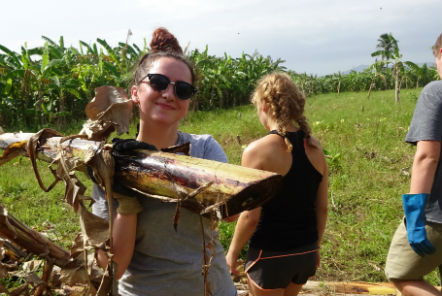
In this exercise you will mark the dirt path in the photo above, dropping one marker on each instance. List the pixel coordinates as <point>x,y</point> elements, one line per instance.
<point>313,288</point>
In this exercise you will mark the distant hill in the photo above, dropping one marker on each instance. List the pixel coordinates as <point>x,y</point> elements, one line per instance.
<point>361,68</point>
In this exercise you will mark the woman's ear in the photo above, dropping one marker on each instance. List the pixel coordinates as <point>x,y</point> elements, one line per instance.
<point>265,107</point>
<point>134,94</point>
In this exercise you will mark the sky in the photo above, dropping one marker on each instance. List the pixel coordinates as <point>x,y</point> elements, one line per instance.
<point>316,37</point>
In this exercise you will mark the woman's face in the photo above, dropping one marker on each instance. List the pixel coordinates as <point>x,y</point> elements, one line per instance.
<point>262,109</point>
<point>162,106</point>
<point>439,64</point>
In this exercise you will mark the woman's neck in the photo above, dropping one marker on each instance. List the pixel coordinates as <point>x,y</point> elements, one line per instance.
<point>161,136</point>
<point>272,125</point>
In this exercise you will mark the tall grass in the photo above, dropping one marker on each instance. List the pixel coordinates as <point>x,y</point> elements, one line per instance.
<point>369,170</point>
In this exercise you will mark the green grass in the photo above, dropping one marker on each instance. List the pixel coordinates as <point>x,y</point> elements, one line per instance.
<point>369,170</point>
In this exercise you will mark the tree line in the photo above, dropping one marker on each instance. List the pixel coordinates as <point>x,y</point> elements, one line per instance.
<point>52,83</point>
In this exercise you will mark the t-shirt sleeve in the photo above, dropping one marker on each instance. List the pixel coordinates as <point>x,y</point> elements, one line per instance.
<point>213,150</point>
<point>100,207</point>
<point>426,123</point>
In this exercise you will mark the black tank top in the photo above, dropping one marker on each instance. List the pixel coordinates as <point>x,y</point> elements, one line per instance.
<point>288,220</point>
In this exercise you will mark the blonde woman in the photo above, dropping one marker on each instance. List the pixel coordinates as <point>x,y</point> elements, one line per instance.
<point>285,233</point>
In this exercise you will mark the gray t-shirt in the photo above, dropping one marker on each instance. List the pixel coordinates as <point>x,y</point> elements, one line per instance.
<point>427,125</point>
<point>168,262</point>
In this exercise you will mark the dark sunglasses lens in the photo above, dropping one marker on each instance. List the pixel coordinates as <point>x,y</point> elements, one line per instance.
<point>183,90</point>
<point>158,82</point>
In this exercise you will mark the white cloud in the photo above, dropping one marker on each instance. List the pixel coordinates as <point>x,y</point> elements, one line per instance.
<point>315,36</point>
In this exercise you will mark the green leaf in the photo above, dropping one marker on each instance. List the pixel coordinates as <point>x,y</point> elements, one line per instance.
<point>109,50</point>
<point>45,57</point>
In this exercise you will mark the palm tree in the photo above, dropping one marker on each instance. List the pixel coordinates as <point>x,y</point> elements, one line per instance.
<point>388,50</point>
<point>387,47</point>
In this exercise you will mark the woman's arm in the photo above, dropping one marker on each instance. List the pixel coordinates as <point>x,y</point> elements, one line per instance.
<point>424,166</point>
<point>248,220</point>
<point>322,205</point>
<point>124,232</point>
<point>245,227</point>
<point>123,236</point>
<point>317,158</point>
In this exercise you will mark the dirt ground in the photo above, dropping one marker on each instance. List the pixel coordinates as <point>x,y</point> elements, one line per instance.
<point>313,288</point>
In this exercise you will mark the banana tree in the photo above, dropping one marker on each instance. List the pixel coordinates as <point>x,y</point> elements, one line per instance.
<point>376,71</point>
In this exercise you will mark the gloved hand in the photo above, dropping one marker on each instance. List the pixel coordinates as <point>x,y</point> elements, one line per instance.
<point>127,146</point>
<point>414,208</point>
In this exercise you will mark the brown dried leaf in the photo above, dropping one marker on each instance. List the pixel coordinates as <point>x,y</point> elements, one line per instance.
<point>111,104</point>
<point>4,221</point>
<point>183,148</point>
<point>33,142</point>
<point>10,251</point>
<point>74,188</point>
<point>2,249</point>
<point>74,276</point>
<point>13,150</point>
<point>3,289</point>
<point>33,279</point>
<point>23,290</point>
<point>32,266</point>
<point>106,284</point>
<point>3,273</point>
<point>97,129</point>
<point>78,246</point>
<point>72,291</point>
<point>94,229</point>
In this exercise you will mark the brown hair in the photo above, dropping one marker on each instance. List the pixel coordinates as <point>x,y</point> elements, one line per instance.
<point>285,100</point>
<point>163,44</point>
<point>437,46</point>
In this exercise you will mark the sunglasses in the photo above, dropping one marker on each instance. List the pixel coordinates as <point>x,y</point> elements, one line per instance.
<point>182,89</point>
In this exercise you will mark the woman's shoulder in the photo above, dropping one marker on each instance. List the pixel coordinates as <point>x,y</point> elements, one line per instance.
<point>194,139</point>
<point>266,153</point>
<point>264,145</point>
<point>203,146</point>
<point>315,154</point>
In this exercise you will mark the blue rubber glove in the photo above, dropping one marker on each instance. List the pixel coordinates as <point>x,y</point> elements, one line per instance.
<point>414,208</point>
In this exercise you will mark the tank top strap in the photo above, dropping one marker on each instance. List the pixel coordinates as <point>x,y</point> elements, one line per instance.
<point>296,138</point>
<point>275,132</point>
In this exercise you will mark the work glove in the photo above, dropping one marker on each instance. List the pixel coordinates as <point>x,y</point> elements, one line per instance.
<point>126,198</point>
<point>127,146</point>
<point>414,208</point>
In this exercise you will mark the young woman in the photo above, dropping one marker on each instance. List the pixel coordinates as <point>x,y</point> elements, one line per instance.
<point>152,258</point>
<point>284,233</point>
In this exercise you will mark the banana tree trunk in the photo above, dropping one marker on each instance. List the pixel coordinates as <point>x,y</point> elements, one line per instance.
<point>396,85</point>
<point>30,240</point>
<point>200,184</point>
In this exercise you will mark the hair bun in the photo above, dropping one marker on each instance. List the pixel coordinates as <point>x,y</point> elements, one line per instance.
<point>163,40</point>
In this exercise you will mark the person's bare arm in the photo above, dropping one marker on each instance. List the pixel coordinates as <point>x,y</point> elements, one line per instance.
<point>248,220</point>
<point>322,205</point>
<point>245,227</point>
<point>124,232</point>
<point>424,166</point>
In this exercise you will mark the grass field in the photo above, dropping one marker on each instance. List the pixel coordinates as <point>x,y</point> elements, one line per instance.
<point>369,170</point>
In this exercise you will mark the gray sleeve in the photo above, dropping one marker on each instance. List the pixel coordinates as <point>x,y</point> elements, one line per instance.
<point>426,123</point>
<point>99,207</point>
<point>213,150</point>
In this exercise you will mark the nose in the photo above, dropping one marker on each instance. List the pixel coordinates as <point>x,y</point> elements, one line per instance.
<point>169,92</point>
